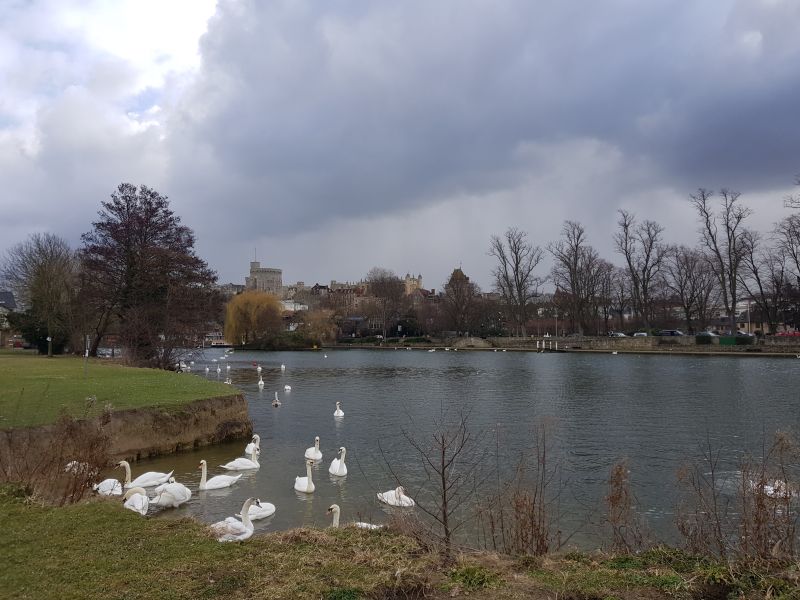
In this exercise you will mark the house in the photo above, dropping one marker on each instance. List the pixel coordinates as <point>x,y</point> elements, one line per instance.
<point>7,305</point>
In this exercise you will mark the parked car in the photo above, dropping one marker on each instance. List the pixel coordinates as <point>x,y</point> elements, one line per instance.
<point>616,334</point>
<point>707,334</point>
<point>670,332</point>
<point>640,334</point>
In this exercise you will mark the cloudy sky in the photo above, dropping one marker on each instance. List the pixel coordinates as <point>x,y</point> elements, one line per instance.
<point>334,136</point>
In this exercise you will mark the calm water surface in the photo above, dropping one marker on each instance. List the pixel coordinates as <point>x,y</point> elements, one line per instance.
<point>655,411</point>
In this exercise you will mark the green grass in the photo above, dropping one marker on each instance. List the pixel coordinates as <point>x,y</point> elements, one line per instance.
<point>35,390</point>
<point>99,550</point>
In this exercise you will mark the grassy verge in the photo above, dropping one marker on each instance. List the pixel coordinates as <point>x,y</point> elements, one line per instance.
<point>35,390</point>
<point>99,550</point>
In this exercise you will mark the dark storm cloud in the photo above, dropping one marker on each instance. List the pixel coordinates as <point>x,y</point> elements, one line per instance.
<point>314,111</point>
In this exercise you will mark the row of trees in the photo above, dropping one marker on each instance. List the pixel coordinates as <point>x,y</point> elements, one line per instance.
<point>136,276</point>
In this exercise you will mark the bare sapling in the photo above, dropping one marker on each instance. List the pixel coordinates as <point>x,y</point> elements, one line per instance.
<point>622,518</point>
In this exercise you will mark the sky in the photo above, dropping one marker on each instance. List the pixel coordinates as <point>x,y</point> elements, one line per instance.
<point>326,138</point>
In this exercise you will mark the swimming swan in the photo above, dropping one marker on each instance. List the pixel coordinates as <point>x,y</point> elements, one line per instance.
<point>336,511</point>
<point>171,495</point>
<point>396,497</point>
<point>287,388</point>
<point>218,481</point>
<point>260,383</point>
<point>283,367</point>
<point>277,401</point>
<point>243,464</point>
<point>264,510</point>
<point>258,369</point>
<point>338,467</point>
<point>108,487</point>
<point>148,479</point>
<point>338,412</point>
<point>136,499</point>
<point>313,453</point>
<point>305,484</point>
<point>255,444</point>
<point>233,530</point>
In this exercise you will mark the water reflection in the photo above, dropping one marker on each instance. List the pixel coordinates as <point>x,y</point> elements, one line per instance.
<point>653,410</point>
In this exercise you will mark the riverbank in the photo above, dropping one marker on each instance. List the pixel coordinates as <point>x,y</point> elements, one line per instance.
<point>123,555</point>
<point>133,413</point>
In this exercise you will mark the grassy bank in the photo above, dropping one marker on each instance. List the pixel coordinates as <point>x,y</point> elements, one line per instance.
<point>98,550</point>
<point>35,390</point>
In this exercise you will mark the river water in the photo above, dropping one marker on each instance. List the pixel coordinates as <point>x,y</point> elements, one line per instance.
<point>654,411</point>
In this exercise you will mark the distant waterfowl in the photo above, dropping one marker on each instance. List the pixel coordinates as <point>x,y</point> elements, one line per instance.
<point>171,495</point>
<point>283,367</point>
<point>305,484</point>
<point>287,388</point>
<point>219,370</point>
<point>253,446</point>
<point>614,352</point>
<point>108,487</point>
<point>338,412</point>
<point>276,402</point>
<point>432,350</point>
<point>148,479</point>
<point>229,381</point>
<point>227,367</point>
<point>313,453</point>
<point>260,383</point>
<point>243,464</point>
<point>338,467</point>
<point>258,369</point>
<point>136,499</point>
<point>396,497</point>
<point>207,369</point>
<point>233,530</point>
<point>218,481</point>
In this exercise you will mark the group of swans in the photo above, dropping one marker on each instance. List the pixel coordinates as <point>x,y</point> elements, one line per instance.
<point>170,494</point>
<point>112,487</point>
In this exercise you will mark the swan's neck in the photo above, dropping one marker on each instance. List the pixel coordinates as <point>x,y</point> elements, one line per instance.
<point>308,474</point>
<point>253,457</point>
<point>246,514</point>
<point>203,474</point>
<point>127,473</point>
<point>341,460</point>
<point>316,445</point>
<point>335,519</point>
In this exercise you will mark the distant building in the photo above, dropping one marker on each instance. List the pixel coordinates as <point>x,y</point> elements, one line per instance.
<point>412,283</point>
<point>264,279</point>
<point>229,290</point>
<point>7,305</point>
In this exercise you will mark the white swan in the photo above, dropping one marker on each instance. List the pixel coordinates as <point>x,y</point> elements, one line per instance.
<point>336,511</point>
<point>233,530</point>
<point>396,497</point>
<point>243,464</point>
<point>136,499</point>
<point>287,388</point>
<point>338,412</point>
<point>305,484</point>
<point>227,367</point>
<point>171,494</point>
<point>218,481</point>
<point>148,479</point>
<point>277,401</point>
<point>313,453</point>
<point>264,510</point>
<point>260,383</point>
<point>338,467</point>
<point>229,381</point>
<point>258,369</point>
<point>255,444</point>
<point>207,370</point>
<point>108,487</point>
<point>283,367</point>
<point>219,370</point>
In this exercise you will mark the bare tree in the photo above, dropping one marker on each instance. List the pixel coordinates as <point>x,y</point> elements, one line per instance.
<point>723,236</point>
<point>620,294</point>
<point>793,201</point>
<point>765,278</point>
<point>577,273</point>
<point>387,288</point>
<point>514,276</point>
<point>42,272</point>
<point>787,232</point>
<point>640,244</point>
<point>453,460</point>
<point>687,273</point>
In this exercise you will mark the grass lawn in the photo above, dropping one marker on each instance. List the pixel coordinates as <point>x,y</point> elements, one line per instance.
<point>100,550</point>
<point>34,390</point>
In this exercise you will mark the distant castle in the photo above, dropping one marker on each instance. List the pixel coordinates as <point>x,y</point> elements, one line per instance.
<point>264,279</point>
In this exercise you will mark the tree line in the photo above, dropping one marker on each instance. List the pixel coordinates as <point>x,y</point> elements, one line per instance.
<point>136,275</point>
